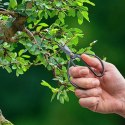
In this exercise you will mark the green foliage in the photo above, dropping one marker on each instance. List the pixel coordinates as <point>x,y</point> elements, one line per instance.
<point>13,4</point>
<point>41,46</point>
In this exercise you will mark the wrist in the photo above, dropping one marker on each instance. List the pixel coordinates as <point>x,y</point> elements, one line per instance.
<point>121,109</point>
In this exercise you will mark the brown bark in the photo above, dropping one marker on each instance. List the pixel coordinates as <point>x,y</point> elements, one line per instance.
<point>17,25</point>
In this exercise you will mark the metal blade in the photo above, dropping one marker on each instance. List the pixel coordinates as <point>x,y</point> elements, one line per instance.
<point>66,49</point>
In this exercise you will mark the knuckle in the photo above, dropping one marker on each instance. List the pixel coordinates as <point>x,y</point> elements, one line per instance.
<point>87,84</point>
<point>97,92</point>
<point>94,101</point>
<point>78,93</point>
<point>111,65</point>
<point>95,82</point>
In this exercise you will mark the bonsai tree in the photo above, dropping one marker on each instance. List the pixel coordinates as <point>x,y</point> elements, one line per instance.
<point>30,31</point>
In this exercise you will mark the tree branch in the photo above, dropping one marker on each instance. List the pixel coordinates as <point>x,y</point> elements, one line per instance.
<point>17,25</point>
<point>30,34</point>
<point>7,12</point>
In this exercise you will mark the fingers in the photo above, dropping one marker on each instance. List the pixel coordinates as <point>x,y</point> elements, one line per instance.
<point>90,102</point>
<point>86,83</point>
<point>95,92</point>
<point>78,71</point>
<point>93,62</point>
<point>81,71</point>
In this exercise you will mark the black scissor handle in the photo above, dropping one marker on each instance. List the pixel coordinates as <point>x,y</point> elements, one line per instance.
<point>97,74</point>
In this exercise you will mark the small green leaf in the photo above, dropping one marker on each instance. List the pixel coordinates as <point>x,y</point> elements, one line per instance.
<point>93,43</point>
<point>65,95</point>
<point>13,4</point>
<point>44,83</point>
<point>9,70</point>
<point>72,12</point>
<point>89,2</point>
<point>21,52</point>
<point>14,67</point>
<point>85,15</point>
<point>55,47</point>
<point>61,88</point>
<point>61,99</point>
<point>58,4</point>
<point>26,56</point>
<point>80,17</point>
<point>20,71</point>
<point>75,41</point>
<point>53,96</point>
<point>61,16</point>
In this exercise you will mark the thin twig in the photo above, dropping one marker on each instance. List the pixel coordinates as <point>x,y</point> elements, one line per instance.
<point>30,34</point>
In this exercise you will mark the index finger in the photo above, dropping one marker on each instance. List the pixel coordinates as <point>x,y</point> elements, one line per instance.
<point>78,71</point>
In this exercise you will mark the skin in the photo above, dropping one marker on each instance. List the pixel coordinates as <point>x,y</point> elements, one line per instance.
<point>103,95</point>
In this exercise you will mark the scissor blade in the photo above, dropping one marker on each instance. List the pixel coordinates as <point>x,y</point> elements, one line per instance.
<point>65,49</point>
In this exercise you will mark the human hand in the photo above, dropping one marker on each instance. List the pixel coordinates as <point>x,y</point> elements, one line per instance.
<point>103,95</point>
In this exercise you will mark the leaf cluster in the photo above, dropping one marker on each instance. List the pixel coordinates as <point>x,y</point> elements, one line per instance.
<point>39,45</point>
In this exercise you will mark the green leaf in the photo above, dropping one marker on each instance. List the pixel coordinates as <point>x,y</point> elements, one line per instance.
<point>93,43</point>
<point>89,2</point>
<point>79,3</point>
<point>61,16</point>
<point>14,67</point>
<point>13,4</point>
<point>72,12</point>
<point>85,15</point>
<point>19,71</point>
<point>6,45</point>
<point>80,17</point>
<point>61,99</point>
<point>65,96</point>
<point>44,83</point>
<point>41,25</point>
<point>9,70</point>
<point>58,4</point>
<point>53,96</point>
<point>75,41</point>
<point>26,56</point>
<point>21,52</point>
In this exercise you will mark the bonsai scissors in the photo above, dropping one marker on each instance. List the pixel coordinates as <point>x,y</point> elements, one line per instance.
<point>73,57</point>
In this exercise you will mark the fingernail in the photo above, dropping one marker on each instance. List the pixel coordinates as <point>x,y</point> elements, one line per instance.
<point>85,55</point>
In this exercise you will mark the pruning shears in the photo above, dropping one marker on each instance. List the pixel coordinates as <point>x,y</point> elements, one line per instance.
<point>73,58</point>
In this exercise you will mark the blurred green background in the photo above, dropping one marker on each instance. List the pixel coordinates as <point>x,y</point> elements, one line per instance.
<point>25,102</point>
